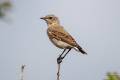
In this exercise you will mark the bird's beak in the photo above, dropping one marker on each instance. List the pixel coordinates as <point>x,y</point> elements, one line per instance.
<point>43,18</point>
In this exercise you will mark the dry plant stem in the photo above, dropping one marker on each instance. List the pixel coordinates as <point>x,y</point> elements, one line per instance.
<point>22,72</point>
<point>59,61</point>
<point>58,73</point>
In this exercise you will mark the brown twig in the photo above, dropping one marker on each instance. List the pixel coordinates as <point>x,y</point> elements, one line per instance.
<point>58,73</point>
<point>22,72</point>
<point>59,61</point>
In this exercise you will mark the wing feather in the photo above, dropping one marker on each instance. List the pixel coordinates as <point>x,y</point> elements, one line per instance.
<point>61,35</point>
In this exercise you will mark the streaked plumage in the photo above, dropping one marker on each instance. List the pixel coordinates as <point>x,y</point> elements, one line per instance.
<point>59,36</point>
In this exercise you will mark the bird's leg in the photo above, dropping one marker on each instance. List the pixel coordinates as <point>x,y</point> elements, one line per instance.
<point>59,59</point>
<point>66,53</point>
<point>62,53</point>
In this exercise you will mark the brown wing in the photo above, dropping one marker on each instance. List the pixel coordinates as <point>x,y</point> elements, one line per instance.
<point>60,35</point>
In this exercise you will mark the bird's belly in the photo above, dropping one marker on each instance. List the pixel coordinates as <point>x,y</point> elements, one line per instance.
<point>60,44</point>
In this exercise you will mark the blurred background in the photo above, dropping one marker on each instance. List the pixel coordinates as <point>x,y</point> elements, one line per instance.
<point>95,24</point>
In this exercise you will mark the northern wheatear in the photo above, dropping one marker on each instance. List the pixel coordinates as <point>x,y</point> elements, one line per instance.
<point>60,37</point>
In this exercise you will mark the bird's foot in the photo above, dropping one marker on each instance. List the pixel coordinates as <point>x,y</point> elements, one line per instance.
<point>59,59</point>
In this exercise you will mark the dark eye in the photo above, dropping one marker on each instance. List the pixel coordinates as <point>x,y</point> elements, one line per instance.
<point>50,17</point>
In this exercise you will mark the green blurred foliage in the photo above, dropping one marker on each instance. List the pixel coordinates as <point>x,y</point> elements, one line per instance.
<point>4,7</point>
<point>113,76</point>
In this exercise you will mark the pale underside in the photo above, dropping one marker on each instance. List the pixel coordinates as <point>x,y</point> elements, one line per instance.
<point>60,44</point>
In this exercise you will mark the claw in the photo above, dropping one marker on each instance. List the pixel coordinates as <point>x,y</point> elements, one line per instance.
<point>59,59</point>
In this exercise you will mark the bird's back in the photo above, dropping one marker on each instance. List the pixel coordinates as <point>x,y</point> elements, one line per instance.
<point>61,34</point>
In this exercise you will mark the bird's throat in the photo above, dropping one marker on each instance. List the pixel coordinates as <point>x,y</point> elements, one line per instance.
<point>54,24</point>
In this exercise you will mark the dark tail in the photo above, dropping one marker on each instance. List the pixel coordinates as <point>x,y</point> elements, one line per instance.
<point>81,50</point>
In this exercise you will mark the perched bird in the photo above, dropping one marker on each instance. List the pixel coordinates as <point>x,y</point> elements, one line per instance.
<point>60,37</point>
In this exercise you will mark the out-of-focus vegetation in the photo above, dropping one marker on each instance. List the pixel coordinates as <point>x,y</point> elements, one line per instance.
<point>4,7</point>
<point>113,76</point>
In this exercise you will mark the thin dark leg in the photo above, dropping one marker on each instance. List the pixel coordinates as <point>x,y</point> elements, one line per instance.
<point>62,53</point>
<point>66,53</point>
<point>59,59</point>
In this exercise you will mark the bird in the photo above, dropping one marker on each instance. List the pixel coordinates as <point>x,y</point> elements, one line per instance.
<point>60,37</point>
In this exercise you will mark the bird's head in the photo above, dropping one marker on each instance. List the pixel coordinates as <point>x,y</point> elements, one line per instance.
<point>50,19</point>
